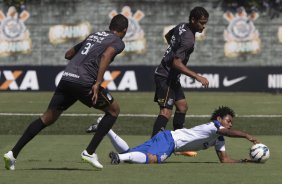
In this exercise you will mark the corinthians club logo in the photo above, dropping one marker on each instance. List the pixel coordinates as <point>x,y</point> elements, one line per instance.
<point>134,38</point>
<point>14,37</point>
<point>241,36</point>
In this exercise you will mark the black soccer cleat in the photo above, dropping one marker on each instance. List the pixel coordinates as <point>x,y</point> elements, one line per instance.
<point>114,158</point>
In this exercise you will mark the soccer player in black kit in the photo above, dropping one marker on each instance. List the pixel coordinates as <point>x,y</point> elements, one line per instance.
<point>81,81</point>
<point>169,92</point>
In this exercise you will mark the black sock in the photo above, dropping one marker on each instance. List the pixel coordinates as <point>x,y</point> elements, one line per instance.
<point>160,124</point>
<point>178,120</point>
<point>104,126</point>
<point>32,130</point>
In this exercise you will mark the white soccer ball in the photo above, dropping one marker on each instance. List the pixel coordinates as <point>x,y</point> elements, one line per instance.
<point>259,153</point>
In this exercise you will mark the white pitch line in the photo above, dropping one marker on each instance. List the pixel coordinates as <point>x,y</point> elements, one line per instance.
<point>139,115</point>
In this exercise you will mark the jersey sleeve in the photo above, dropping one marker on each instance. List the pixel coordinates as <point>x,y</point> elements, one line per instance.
<point>186,43</point>
<point>220,144</point>
<point>118,45</point>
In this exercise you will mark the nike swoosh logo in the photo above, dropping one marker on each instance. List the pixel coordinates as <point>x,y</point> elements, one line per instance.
<point>86,155</point>
<point>228,83</point>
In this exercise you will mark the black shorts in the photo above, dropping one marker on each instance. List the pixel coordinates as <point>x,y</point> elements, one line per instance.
<point>67,93</point>
<point>167,92</point>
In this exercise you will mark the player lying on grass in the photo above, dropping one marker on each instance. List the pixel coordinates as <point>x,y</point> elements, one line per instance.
<point>163,144</point>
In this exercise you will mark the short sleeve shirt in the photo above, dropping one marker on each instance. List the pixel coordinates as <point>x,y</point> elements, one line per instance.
<point>199,137</point>
<point>181,46</point>
<point>83,67</point>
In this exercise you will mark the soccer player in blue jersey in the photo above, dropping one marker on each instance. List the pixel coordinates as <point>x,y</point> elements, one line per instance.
<point>163,144</point>
<point>81,81</point>
<point>169,93</point>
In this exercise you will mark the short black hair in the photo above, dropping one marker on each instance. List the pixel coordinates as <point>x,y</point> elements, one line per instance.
<point>118,23</point>
<point>221,112</point>
<point>198,12</point>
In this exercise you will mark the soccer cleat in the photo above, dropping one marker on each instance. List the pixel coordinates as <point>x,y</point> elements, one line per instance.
<point>94,127</point>
<point>114,158</point>
<point>187,153</point>
<point>9,160</point>
<point>91,159</point>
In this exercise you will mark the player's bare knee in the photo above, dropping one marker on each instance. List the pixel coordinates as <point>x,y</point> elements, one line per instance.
<point>49,117</point>
<point>166,112</point>
<point>152,159</point>
<point>114,109</point>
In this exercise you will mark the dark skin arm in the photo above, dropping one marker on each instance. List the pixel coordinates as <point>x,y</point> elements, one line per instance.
<point>177,64</point>
<point>106,58</point>
<point>72,51</point>
<point>222,155</point>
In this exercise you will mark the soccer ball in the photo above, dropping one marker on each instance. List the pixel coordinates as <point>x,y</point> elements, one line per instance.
<point>259,153</point>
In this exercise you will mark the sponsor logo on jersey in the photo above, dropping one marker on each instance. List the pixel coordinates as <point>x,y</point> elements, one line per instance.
<point>275,81</point>
<point>62,33</point>
<point>230,82</point>
<point>241,36</point>
<point>14,36</point>
<point>18,80</point>
<point>67,74</point>
<point>134,39</point>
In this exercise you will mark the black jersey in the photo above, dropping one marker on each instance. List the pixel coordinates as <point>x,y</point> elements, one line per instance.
<point>181,45</point>
<point>83,67</point>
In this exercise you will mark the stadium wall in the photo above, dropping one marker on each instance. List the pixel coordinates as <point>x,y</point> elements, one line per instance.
<point>141,78</point>
<point>51,27</point>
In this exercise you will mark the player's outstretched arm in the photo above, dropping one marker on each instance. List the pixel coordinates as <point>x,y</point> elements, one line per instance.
<point>224,158</point>
<point>237,133</point>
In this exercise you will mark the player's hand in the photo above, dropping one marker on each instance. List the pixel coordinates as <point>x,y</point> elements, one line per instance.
<point>202,80</point>
<point>252,139</point>
<point>94,91</point>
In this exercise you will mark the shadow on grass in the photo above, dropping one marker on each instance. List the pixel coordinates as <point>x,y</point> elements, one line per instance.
<point>62,169</point>
<point>194,162</point>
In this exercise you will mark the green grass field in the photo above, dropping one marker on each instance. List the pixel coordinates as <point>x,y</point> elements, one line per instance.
<point>54,155</point>
<point>56,159</point>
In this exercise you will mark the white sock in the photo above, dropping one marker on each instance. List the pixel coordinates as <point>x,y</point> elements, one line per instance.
<point>135,157</point>
<point>119,144</point>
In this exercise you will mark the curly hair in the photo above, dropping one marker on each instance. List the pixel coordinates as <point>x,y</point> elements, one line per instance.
<point>197,13</point>
<point>118,23</point>
<point>221,112</point>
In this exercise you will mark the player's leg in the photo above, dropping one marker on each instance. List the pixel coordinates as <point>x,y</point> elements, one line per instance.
<point>119,144</point>
<point>164,96</point>
<point>106,123</point>
<point>132,157</point>
<point>49,117</point>
<point>179,115</point>
<point>59,102</point>
<point>107,104</point>
<point>181,107</point>
<point>155,150</point>
<point>161,121</point>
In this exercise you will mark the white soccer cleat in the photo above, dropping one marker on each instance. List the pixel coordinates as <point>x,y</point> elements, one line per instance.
<point>9,160</point>
<point>91,159</point>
